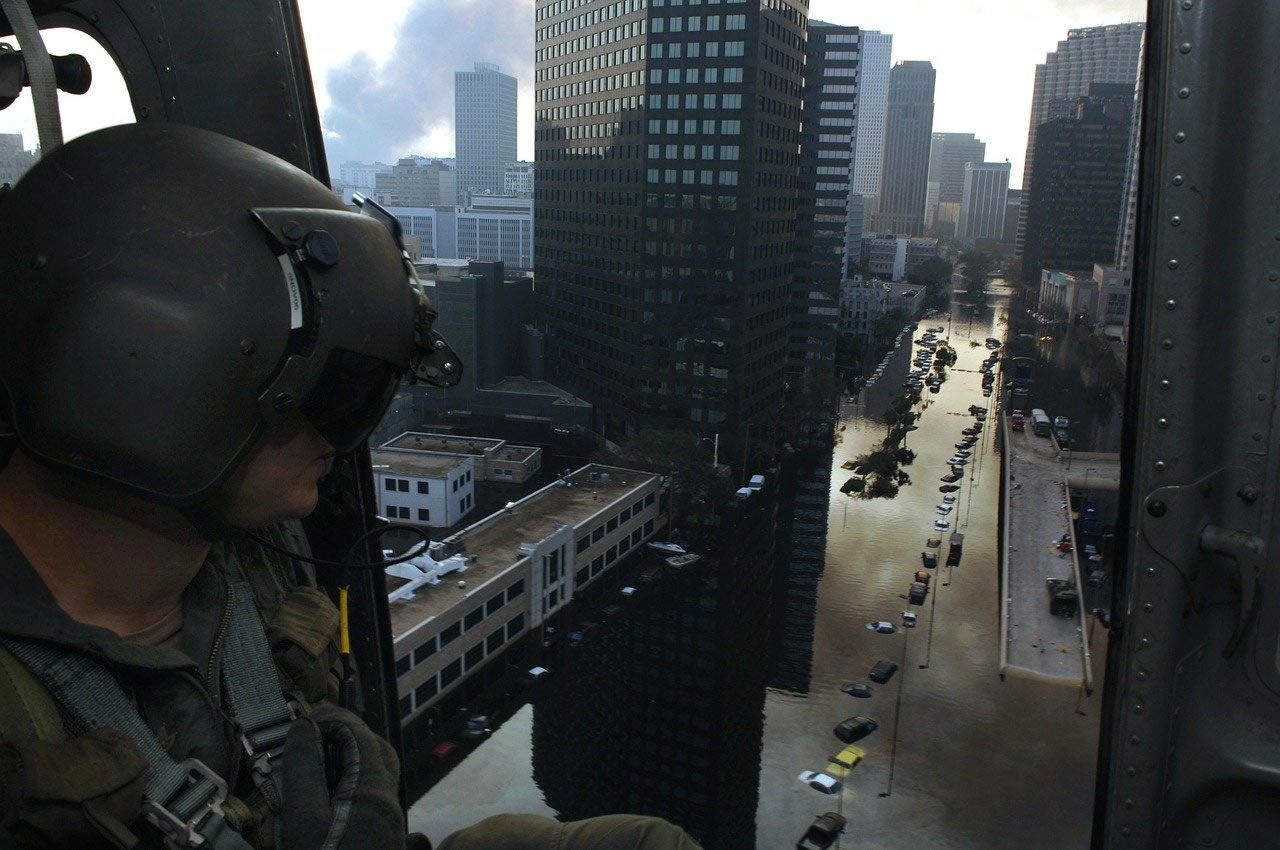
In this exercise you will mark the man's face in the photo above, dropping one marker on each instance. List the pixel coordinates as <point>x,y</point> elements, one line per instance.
<point>277,480</point>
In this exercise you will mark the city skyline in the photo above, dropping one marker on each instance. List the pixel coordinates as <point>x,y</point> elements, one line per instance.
<point>379,101</point>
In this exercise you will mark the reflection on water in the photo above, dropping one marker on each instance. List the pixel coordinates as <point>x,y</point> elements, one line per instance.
<point>713,688</point>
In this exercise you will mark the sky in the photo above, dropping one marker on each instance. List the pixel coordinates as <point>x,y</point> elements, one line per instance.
<point>384,76</point>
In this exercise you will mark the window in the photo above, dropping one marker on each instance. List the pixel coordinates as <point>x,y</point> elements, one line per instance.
<point>406,706</point>
<point>713,22</point>
<point>624,544</point>
<point>424,487</point>
<point>733,75</point>
<point>474,616</point>
<point>403,485</point>
<point>597,565</point>
<point>390,484</point>
<point>450,673</point>
<point>648,500</point>
<point>638,506</point>
<point>713,49</point>
<point>424,515</point>
<point>403,664</point>
<point>730,128</point>
<point>553,598</point>
<point>584,543</point>
<point>730,101</point>
<point>735,22</point>
<point>474,655</point>
<point>611,555</point>
<point>515,590</point>
<point>449,635</point>
<point>495,641</point>
<point>733,48</point>
<point>582,576</point>
<point>455,485</point>
<point>514,625</point>
<point>673,75</point>
<point>425,650</point>
<point>425,691</point>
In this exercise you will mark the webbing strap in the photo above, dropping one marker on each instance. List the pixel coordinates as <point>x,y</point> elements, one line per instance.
<point>184,800</point>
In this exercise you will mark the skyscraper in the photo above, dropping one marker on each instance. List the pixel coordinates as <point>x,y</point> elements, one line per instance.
<point>948,154</point>
<point>826,153</point>
<point>666,142</point>
<point>1078,189</point>
<point>484,128</point>
<point>873,98</point>
<point>983,202</point>
<point>908,131</point>
<point>1107,54</point>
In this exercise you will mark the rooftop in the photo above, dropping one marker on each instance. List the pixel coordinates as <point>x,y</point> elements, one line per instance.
<point>415,462</point>
<point>492,545</point>
<point>478,446</point>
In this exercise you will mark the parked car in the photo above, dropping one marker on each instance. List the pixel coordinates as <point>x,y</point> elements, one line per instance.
<point>949,498</point>
<point>823,832</point>
<point>943,510</point>
<point>917,593</point>
<point>882,671</point>
<point>941,524</point>
<point>476,726</point>
<point>855,728</point>
<point>909,619</point>
<point>923,576</point>
<point>884,627</point>
<point>841,763</point>
<point>950,477</point>
<point>582,633</point>
<point>820,782</point>
<point>857,689</point>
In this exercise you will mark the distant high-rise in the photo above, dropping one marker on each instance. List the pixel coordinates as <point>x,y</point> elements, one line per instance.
<point>1129,211</point>
<point>873,99</point>
<point>948,154</point>
<point>908,132</point>
<point>826,153</point>
<point>415,183</point>
<point>983,202</point>
<point>484,128</point>
<point>14,158</point>
<point>1107,54</point>
<point>1078,188</point>
<point>666,144</point>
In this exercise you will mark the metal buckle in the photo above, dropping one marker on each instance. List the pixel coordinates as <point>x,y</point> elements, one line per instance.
<point>177,832</point>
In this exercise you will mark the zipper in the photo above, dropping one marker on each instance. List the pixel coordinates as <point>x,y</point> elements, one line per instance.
<point>217,645</point>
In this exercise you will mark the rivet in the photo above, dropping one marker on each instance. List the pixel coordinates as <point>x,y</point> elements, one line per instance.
<point>1135,740</point>
<point>246,346</point>
<point>1166,344</point>
<point>144,111</point>
<point>39,262</point>
<point>1146,606</point>
<point>1186,5</point>
<point>1177,179</point>
<point>1175,220</point>
<point>1173,264</point>
<point>1128,803</point>
<point>1184,93</point>
<point>1151,571</point>
<point>1132,771</point>
<point>1257,436</point>
<point>1162,422</point>
<point>283,402</point>
<point>291,230</point>
<point>1142,675</point>
<point>1185,47</point>
<point>1248,494</point>
<point>1179,137</point>
<point>1271,320</point>
<point>1262,396</point>
<point>1159,466</point>
<point>1124,830</point>
<point>1165,383</point>
<point>1144,642</point>
<point>1171,304</point>
<point>1266,358</point>
<point>1273,277</point>
<point>448,367</point>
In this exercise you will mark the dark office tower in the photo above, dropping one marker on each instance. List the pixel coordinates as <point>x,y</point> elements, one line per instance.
<point>908,132</point>
<point>828,125</point>
<point>484,128</point>
<point>667,140</point>
<point>1105,54</point>
<point>1077,190</point>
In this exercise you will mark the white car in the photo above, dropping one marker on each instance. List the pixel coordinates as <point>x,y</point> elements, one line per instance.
<point>949,499</point>
<point>943,510</point>
<point>820,782</point>
<point>909,619</point>
<point>941,524</point>
<point>956,460</point>
<point>884,627</point>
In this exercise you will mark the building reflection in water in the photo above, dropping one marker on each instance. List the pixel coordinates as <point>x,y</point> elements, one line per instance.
<point>661,711</point>
<point>800,555</point>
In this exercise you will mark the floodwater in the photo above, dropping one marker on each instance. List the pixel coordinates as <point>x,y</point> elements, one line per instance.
<point>961,758</point>
<point>976,762</point>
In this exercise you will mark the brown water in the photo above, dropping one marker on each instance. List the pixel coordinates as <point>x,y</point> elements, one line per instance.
<point>980,763</point>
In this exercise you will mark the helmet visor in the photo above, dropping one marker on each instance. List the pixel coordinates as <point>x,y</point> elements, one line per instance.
<point>350,398</point>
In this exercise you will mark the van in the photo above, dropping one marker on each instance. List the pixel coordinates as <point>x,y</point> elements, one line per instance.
<point>756,482</point>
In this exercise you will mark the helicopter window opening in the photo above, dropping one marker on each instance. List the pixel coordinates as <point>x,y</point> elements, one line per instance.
<point>106,104</point>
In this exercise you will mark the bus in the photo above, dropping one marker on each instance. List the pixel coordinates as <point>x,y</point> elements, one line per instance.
<point>1040,423</point>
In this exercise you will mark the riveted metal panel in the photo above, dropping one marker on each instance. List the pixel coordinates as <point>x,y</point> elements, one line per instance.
<point>1190,752</point>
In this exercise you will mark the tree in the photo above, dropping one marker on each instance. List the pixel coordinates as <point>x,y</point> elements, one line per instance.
<point>977,268</point>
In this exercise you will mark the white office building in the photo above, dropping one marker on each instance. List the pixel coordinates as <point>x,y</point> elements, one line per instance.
<point>435,489</point>
<point>495,227</point>
<point>983,205</point>
<point>873,101</point>
<point>484,128</point>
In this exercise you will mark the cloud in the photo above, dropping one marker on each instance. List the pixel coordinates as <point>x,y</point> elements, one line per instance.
<point>382,107</point>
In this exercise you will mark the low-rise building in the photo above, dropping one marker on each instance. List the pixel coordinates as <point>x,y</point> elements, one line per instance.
<point>495,459</point>
<point>435,489</point>
<point>456,610</point>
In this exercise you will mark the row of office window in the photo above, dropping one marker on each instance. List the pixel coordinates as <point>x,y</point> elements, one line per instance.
<point>461,479</point>
<point>453,671</point>
<point>401,485</point>
<point>673,126</point>
<point>448,635</point>
<point>676,50</point>
<point>690,176</point>
<point>727,101</point>
<point>613,553</point>
<point>694,75</point>
<point>611,524</point>
<point>604,13</point>
<point>402,512</point>
<point>727,152</point>
<point>694,23</point>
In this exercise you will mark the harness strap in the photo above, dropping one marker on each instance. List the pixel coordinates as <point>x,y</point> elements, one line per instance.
<point>183,799</point>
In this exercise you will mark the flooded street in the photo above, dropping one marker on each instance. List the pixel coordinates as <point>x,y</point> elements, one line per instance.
<point>693,733</point>
<point>980,763</point>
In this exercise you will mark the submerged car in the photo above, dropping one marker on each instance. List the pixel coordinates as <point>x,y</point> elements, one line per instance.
<point>949,499</point>
<point>909,619</point>
<point>857,689</point>
<point>820,782</point>
<point>855,728</point>
<point>823,832</point>
<point>944,509</point>
<point>941,524</point>
<point>884,627</point>
<point>949,488</point>
<point>950,477</point>
<point>882,671</point>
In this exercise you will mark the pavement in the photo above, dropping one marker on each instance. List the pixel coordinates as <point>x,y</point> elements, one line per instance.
<point>1037,517</point>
